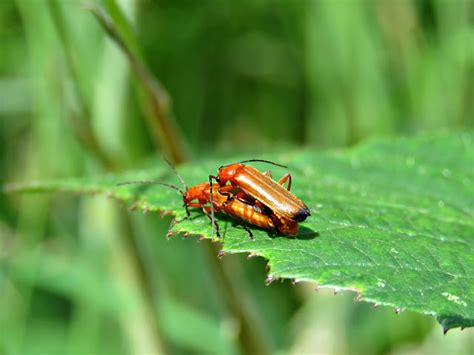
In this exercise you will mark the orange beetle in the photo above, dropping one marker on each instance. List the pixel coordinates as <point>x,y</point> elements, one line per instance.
<point>261,187</point>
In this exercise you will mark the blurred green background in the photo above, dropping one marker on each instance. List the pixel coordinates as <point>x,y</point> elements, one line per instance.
<point>83,275</point>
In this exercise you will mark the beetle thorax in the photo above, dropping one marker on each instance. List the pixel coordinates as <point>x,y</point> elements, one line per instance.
<point>228,172</point>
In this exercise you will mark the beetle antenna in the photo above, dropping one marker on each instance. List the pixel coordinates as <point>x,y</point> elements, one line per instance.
<point>257,161</point>
<point>172,167</point>
<point>151,182</point>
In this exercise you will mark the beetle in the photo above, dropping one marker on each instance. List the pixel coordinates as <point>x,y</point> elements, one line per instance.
<point>214,198</point>
<point>261,187</point>
<point>249,211</point>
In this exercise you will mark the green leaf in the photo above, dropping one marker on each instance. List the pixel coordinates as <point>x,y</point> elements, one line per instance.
<point>391,220</point>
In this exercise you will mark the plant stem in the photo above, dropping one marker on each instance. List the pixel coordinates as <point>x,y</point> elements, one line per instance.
<point>128,256</point>
<point>232,291</point>
<point>80,117</point>
<point>155,100</point>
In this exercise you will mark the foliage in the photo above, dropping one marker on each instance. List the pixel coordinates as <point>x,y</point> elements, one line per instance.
<point>392,220</point>
<point>248,76</point>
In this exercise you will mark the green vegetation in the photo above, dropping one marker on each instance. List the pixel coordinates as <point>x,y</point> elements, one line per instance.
<point>277,80</point>
<point>390,221</point>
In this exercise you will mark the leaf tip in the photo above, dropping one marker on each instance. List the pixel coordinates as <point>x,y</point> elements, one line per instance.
<point>269,280</point>
<point>165,213</point>
<point>251,255</point>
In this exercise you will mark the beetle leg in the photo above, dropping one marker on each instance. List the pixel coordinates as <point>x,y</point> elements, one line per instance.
<point>284,226</point>
<point>200,204</point>
<point>186,207</point>
<point>249,232</point>
<point>194,204</point>
<point>212,177</point>
<point>284,179</point>
<point>243,197</point>
<point>188,214</point>
<point>224,190</point>
<point>213,222</point>
<point>187,210</point>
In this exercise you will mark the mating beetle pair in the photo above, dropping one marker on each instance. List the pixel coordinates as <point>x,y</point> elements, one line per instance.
<point>248,195</point>
<point>264,195</point>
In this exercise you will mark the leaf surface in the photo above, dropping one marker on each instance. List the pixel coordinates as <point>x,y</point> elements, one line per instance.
<point>391,220</point>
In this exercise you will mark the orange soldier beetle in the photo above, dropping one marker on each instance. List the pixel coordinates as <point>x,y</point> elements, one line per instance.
<point>243,209</point>
<point>263,189</point>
